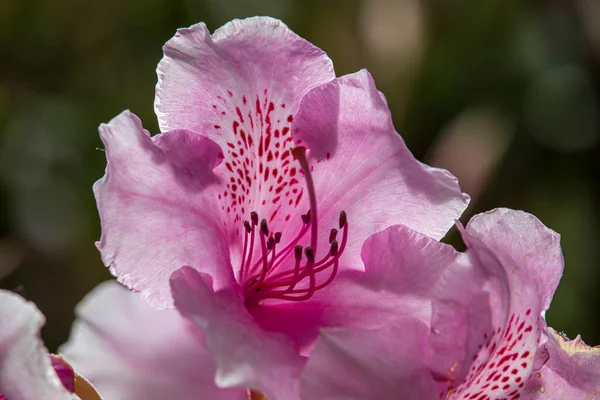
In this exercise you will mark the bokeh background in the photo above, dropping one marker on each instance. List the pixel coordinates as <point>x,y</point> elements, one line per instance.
<point>503,93</point>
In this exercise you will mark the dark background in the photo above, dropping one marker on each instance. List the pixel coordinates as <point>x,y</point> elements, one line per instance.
<point>503,93</point>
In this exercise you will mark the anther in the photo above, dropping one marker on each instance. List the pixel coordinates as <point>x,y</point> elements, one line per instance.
<point>254,217</point>
<point>247,226</point>
<point>277,237</point>
<point>310,254</point>
<point>343,219</point>
<point>270,243</point>
<point>332,235</point>
<point>334,248</point>
<point>264,228</point>
<point>298,252</point>
<point>306,217</point>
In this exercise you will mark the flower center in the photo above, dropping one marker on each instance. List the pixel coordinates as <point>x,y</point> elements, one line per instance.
<point>271,275</point>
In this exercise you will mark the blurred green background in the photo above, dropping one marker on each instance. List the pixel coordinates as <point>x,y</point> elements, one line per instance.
<point>503,93</point>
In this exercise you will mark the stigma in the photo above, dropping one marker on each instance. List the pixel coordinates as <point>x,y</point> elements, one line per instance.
<point>268,270</point>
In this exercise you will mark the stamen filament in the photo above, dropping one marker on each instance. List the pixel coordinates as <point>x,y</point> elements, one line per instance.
<point>266,278</point>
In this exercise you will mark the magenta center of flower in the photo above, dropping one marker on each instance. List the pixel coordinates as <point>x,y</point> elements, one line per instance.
<point>266,271</point>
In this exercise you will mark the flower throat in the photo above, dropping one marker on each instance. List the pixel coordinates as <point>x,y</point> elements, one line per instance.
<point>270,276</point>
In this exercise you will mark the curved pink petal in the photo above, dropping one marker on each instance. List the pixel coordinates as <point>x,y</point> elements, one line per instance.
<point>206,83</point>
<point>241,87</point>
<point>525,247</point>
<point>523,261</point>
<point>245,355</point>
<point>572,371</point>
<point>383,363</point>
<point>130,351</point>
<point>64,371</point>
<point>26,371</point>
<point>157,208</point>
<point>361,165</point>
<point>402,271</point>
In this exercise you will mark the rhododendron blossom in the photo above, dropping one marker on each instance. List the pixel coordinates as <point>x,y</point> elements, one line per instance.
<point>269,175</point>
<point>27,371</point>
<point>485,336</point>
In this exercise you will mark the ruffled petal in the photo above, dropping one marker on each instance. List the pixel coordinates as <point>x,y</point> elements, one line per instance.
<point>361,165</point>
<point>525,247</point>
<point>383,363</point>
<point>157,207</point>
<point>572,371</point>
<point>403,269</point>
<point>241,87</point>
<point>26,371</point>
<point>245,355</point>
<point>207,81</point>
<point>523,262</point>
<point>130,351</point>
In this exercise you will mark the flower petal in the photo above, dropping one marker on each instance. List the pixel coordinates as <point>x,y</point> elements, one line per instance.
<point>206,80</point>
<point>513,248</point>
<point>241,87</point>
<point>522,242</point>
<point>403,269</point>
<point>130,351</point>
<point>245,355</point>
<point>383,363</point>
<point>64,372</point>
<point>571,372</point>
<point>157,207</point>
<point>362,166</point>
<point>25,369</point>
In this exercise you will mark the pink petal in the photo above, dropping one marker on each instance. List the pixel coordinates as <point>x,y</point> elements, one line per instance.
<point>241,87</point>
<point>157,207</point>
<point>204,80</point>
<point>403,268</point>
<point>521,239</point>
<point>64,372</point>
<point>130,351</point>
<point>572,371</point>
<point>383,363</point>
<point>245,355</point>
<point>362,166</point>
<point>522,260</point>
<point>25,369</point>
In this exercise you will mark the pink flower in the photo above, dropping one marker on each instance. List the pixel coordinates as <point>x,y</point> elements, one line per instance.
<point>27,371</point>
<point>270,175</point>
<point>485,336</point>
<point>130,351</point>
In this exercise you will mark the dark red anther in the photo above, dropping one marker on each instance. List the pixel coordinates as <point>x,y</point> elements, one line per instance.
<point>306,217</point>
<point>277,237</point>
<point>264,228</point>
<point>247,226</point>
<point>270,243</point>
<point>332,235</point>
<point>298,252</point>
<point>334,248</point>
<point>254,217</point>
<point>310,254</point>
<point>343,219</point>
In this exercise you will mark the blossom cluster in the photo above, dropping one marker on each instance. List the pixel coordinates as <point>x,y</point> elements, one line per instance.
<point>277,240</point>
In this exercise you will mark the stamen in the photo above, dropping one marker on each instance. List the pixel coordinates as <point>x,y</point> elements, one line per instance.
<point>332,235</point>
<point>268,277</point>
<point>249,231</point>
